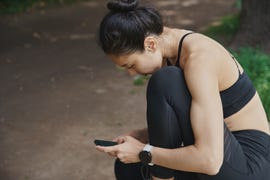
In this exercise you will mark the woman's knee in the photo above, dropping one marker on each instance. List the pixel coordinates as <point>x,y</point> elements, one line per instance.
<point>166,77</point>
<point>168,82</point>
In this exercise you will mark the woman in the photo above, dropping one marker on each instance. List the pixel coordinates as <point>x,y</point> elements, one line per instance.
<point>205,119</point>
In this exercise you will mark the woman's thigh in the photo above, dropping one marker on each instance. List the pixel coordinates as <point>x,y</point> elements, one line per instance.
<point>245,156</point>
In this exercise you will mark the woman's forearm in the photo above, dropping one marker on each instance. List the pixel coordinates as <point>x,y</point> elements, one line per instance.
<point>188,158</point>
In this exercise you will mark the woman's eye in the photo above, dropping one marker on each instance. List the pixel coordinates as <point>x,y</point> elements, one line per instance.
<point>130,66</point>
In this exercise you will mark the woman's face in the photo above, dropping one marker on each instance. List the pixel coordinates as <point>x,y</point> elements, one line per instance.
<point>143,63</point>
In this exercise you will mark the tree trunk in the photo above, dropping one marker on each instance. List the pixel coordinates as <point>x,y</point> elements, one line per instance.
<point>255,25</point>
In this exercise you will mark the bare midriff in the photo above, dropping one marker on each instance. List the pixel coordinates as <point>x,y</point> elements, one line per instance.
<point>251,116</point>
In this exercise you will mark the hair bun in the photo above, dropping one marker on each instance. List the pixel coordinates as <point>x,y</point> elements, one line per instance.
<point>122,5</point>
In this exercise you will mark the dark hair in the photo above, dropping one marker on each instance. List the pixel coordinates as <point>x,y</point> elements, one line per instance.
<point>125,27</point>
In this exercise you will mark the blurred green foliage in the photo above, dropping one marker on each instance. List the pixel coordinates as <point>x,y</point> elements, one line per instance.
<point>238,4</point>
<point>225,29</point>
<point>140,80</point>
<point>13,6</point>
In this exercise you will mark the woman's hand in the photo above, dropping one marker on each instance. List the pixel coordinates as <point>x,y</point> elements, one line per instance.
<point>127,151</point>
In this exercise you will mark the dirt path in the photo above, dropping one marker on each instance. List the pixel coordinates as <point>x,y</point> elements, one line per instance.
<point>59,91</point>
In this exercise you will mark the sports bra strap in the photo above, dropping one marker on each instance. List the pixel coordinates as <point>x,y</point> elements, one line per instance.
<point>179,49</point>
<point>236,65</point>
<point>235,62</point>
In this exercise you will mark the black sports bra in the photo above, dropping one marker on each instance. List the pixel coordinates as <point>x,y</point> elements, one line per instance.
<point>235,97</point>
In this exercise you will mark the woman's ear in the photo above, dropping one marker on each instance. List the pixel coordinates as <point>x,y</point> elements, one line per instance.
<point>150,44</point>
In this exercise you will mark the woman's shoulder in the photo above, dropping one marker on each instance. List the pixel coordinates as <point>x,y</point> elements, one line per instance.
<point>202,43</point>
<point>204,55</point>
<point>203,49</point>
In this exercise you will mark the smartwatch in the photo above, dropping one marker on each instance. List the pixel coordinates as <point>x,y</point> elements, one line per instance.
<point>145,155</point>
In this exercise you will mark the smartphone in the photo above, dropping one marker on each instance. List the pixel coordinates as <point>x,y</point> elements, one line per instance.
<point>99,142</point>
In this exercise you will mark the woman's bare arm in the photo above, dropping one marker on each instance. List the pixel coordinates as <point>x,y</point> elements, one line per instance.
<point>206,155</point>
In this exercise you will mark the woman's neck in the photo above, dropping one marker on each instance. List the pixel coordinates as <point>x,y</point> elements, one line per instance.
<point>169,43</point>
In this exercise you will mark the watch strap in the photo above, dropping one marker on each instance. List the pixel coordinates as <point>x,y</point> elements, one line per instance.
<point>148,148</point>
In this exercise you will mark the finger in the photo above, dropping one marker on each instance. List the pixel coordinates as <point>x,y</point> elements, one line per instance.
<point>103,149</point>
<point>125,138</point>
<point>121,139</point>
<point>113,154</point>
<point>115,139</point>
<point>118,139</point>
<point>124,160</point>
<point>99,148</point>
<point>107,149</point>
<point>120,157</point>
<point>129,138</point>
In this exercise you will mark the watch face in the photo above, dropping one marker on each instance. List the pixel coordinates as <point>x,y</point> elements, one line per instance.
<point>145,157</point>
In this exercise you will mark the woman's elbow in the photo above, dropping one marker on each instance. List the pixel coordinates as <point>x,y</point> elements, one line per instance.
<point>213,165</point>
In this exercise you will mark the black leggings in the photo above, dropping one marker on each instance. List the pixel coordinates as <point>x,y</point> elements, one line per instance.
<point>246,153</point>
